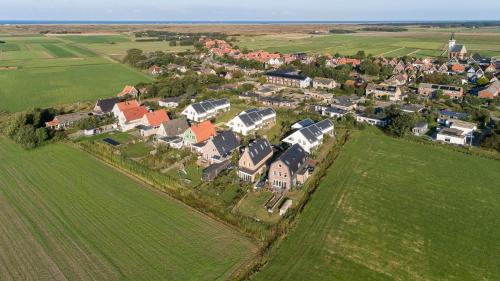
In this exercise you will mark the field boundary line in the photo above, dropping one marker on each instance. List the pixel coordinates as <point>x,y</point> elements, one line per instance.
<point>388,52</point>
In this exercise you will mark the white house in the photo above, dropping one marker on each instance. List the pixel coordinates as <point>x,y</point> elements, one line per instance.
<point>121,106</point>
<point>311,137</point>
<point>252,120</point>
<point>275,62</point>
<point>205,110</point>
<point>467,127</point>
<point>170,102</point>
<point>452,136</point>
<point>334,112</point>
<point>131,118</point>
<point>371,120</point>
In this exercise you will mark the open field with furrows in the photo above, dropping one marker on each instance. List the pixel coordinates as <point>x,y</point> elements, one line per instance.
<point>389,44</point>
<point>38,71</point>
<point>65,216</point>
<point>394,210</point>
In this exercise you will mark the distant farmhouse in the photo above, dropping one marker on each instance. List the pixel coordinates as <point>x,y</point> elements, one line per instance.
<point>456,50</point>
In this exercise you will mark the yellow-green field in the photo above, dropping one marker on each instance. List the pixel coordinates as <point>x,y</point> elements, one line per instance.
<point>416,42</point>
<point>66,216</point>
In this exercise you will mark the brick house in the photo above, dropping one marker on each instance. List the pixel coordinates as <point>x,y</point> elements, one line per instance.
<point>490,92</point>
<point>254,159</point>
<point>283,172</point>
<point>288,78</point>
<point>220,147</point>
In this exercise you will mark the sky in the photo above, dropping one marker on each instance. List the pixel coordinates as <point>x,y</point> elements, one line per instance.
<point>254,10</point>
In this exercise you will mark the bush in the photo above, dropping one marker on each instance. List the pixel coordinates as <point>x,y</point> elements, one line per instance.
<point>26,128</point>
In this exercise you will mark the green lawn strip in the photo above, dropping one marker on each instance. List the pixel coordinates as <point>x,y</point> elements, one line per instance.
<point>96,39</point>
<point>58,51</point>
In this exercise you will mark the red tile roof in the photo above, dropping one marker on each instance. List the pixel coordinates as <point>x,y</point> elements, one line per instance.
<point>127,90</point>
<point>203,131</point>
<point>127,105</point>
<point>157,117</point>
<point>458,68</point>
<point>135,113</point>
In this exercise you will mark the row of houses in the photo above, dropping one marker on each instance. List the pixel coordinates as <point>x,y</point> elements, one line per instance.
<point>292,78</point>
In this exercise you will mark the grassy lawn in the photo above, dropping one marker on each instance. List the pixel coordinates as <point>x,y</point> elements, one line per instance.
<point>193,174</point>
<point>236,108</point>
<point>65,216</point>
<point>48,71</point>
<point>430,43</point>
<point>252,205</point>
<point>135,150</point>
<point>394,210</point>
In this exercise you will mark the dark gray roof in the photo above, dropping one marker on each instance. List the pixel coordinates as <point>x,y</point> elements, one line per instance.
<point>421,124</point>
<point>259,149</point>
<point>204,106</point>
<point>313,132</point>
<point>336,110</point>
<point>173,99</point>
<point>106,105</point>
<point>251,116</point>
<point>72,117</point>
<point>176,127</point>
<point>245,118</point>
<point>325,124</point>
<point>305,123</point>
<point>457,48</point>
<point>451,132</point>
<point>225,142</point>
<point>286,74</point>
<point>453,114</point>
<point>212,171</point>
<point>294,158</point>
<point>267,112</point>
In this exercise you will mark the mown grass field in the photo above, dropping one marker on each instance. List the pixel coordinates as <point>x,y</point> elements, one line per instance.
<point>46,71</point>
<point>394,210</point>
<point>418,43</point>
<point>65,216</point>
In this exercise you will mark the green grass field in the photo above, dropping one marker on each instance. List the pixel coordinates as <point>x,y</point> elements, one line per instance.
<point>65,216</point>
<point>43,83</point>
<point>45,71</point>
<point>92,39</point>
<point>417,43</point>
<point>394,210</point>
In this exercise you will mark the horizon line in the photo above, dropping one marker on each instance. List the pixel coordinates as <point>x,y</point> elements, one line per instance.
<point>34,21</point>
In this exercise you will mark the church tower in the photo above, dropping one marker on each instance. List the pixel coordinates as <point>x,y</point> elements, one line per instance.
<point>452,41</point>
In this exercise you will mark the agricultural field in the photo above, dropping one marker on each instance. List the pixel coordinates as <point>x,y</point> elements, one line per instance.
<point>419,43</point>
<point>66,216</point>
<point>41,71</point>
<point>116,46</point>
<point>395,210</point>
